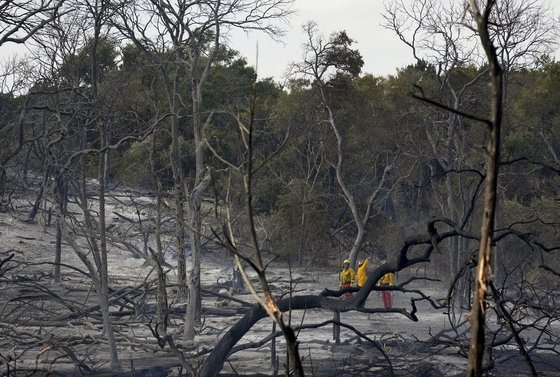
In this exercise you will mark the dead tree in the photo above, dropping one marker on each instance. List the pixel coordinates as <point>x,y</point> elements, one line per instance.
<point>266,300</point>
<point>14,76</point>
<point>19,21</point>
<point>159,254</point>
<point>415,250</point>
<point>494,123</point>
<point>322,59</point>
<point>96,274</point>
<point>192,33</point>
<point>424,26</point>
<point>522,31</point>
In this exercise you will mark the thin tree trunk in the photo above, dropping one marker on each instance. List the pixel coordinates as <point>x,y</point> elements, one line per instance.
<point>103,302</point>
<point>483,275</point>
<point>360,221</point>
<point>302,232</point>
<point>62,200</point>
<point>3,179</point>
<point>161,303</point>
<point>273,357</point>
<point>57,253</point>
<point>350,200</point>
<point>192,316</point>
<point>102,216</point>
<point>40,194</point>
<point>336,327</point>
<point>178,190</point>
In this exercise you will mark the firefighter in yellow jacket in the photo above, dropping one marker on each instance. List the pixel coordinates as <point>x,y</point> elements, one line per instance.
<point>362,275</point>
<point>346,278</point>
<point>387,280</point>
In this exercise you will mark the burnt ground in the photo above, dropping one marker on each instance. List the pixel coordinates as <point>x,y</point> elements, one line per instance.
<point>49,328</point>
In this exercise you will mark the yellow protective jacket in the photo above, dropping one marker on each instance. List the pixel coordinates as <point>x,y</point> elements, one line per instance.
<point>387,279</point>
<point>362,273</point>
<point>347,276</point>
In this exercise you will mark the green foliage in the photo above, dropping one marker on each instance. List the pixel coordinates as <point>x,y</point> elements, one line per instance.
<point>77,68</point>
<point>531,217</point>
<point>134,165</point>
<point>537,113</point>
<point>230,85</point>
<point>300,224</point>
<point>296,195</point>
<point>267,193</point>
<point>342,57</point>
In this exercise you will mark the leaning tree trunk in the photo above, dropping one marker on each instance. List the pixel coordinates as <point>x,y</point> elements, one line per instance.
<point>103,298</point>
<point>350,200</point>
<point>483,275</point>
<point>40,195</point>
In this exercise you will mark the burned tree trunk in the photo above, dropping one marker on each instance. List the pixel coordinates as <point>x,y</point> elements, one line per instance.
<point>62,202</point>
<point>483,275</point>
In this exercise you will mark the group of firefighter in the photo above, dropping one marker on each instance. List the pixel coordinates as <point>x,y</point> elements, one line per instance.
<point>347,277</point>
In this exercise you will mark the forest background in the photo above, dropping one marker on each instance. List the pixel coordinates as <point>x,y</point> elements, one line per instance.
<point>147,97</point>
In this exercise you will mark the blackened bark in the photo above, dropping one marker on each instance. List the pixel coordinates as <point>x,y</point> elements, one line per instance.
<point>483,275</point>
